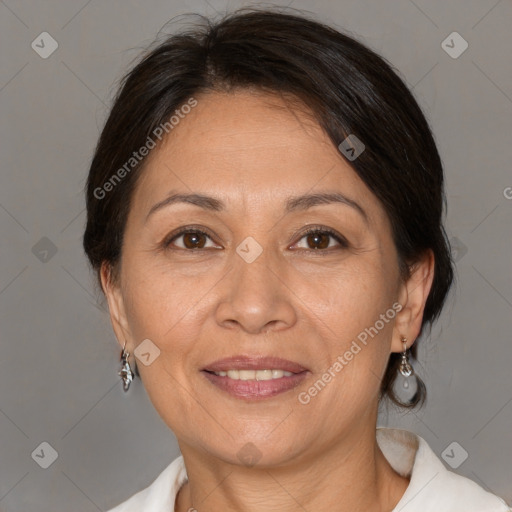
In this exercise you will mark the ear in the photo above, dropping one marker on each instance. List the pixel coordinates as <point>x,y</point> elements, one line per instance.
<point>413,297</point>
<point>116,306</point>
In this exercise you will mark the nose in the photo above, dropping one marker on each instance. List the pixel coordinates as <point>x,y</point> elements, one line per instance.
<point>255,297</point>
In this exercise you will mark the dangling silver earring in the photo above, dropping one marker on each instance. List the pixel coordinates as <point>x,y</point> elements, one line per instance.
<point>405,368</point>
<point>126,373</point>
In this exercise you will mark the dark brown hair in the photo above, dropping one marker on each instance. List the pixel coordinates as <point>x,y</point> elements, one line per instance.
<point>348,88</point>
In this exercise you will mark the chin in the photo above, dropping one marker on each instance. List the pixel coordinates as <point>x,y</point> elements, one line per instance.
<point>261,451</point>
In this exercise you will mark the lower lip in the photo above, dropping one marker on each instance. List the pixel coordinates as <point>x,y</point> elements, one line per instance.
<point>255,389</point>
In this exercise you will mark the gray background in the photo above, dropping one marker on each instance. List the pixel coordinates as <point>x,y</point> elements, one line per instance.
<point>59,357</point>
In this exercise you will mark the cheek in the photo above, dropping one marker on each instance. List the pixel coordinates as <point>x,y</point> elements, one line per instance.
<point>354,311</point>
<point>160,300</point>
<point>164,311</point>
<point>351,298</point>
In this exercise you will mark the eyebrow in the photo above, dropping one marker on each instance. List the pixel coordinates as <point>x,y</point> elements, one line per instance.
<point>295,203</point>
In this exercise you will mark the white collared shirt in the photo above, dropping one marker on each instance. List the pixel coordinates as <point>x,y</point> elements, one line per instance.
<point>432,487</point>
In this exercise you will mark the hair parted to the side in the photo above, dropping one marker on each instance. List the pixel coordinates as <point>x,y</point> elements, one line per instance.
<point>347,87</point>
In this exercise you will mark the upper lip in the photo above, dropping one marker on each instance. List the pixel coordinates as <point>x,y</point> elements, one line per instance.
<point>243,362</point>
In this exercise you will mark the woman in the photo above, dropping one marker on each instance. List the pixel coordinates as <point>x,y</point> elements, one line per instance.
<point>265,217</point>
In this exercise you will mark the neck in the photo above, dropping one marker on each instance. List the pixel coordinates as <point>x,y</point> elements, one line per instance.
<point>352,475</point>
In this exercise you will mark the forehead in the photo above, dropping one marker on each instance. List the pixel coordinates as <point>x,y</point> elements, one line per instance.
<point>250,143</point>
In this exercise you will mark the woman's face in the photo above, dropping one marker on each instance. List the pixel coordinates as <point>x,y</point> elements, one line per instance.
<point>257,284</point>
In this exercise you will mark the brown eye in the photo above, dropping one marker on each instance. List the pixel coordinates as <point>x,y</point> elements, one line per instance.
<point>194,240</point>
<point>318,240</point>
<point>190,239</point>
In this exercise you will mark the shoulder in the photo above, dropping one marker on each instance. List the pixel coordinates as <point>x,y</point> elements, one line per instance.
<point>432,487</point>
<point>161,494</point>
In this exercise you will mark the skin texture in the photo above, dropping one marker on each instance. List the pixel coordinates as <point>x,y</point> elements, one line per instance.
<point>296,302</point>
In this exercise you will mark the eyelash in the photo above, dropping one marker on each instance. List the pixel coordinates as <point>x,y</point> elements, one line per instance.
<point>312,230</point>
